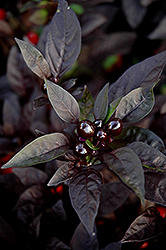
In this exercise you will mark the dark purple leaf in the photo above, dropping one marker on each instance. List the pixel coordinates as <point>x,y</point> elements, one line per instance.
<point>134,12</point>
<point>11,115</point>
<point>64,103</point>
<point>42,149</point>
<point>159,32</point>
<point>30,176</point>
<point>149,72</point>
<point>63,40</point>
<point>144,227</point>
<point>84,191</point>
<point>86,103</point>
<point>56,244</point>
<point>113,246</point>
<point>29,219</point>
<point>155,187</point>
<point>146,2</point>
<point>111,109</point>
<point>20,77</point>
<point>63,173</point>
<point>92,21</point>
<point>113,195</point>
<point>6,232</point>
<point>69,84</point>
<point>39,102</point>
<point>36,195</point>
<point>132,134</point>
<point>34,59</point>
<point>82,240</point>
<point>150,157</point>
<point>127,165</point>
<point>101,103</point>
<point>135,105</point>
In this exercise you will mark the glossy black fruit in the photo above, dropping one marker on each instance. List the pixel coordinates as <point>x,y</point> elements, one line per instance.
<point>101,135</point>
<point>114,127</point>
<point>98,123</point>
<point>81,150</point>
<point>86,129</point>
<point>44,88</point>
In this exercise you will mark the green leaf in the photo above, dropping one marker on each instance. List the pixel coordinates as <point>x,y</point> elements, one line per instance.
<point>111,108</point>
<point>90,145</point>
<point>135,105</point>
<point>77,8</point>
<point>86,103</point>
<point>63,102</point>
<point>42,149</point>
<point>63,173</point>
<point>101,103</point>
<point>132,134</point>
<point>149,156</point>
<point>110,61</point>
<point>34,59</point>
<point>127,165</point>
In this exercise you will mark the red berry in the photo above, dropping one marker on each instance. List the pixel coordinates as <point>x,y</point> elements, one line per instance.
<point>81,150</point>
<point>2,14</point>
<point>33,37</point>
<point>101,135</point>
<point>86,129</point>
<point>59,189</point>
<point>114,127</point>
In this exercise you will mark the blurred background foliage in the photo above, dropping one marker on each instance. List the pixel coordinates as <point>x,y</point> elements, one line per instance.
<point>115,35</point>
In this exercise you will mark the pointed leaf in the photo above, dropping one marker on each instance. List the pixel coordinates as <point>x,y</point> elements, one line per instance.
<point>155,186</point>
<point>34,59</point>
<point>64,103</point>
<point>30,176</point>
<point>63,173</point>
<point>39,102</point>
<point>150,157</point>
<point>134,12</point>
<point>126,164</point>
<point>135,105</point>
<point>111,108</point>
<point>144,227</point>
<point>82,240</point>
<point>63,40</point>
<point>86,103</point>
<point>113,195</point>
<point>132,134</point>
<point>42,149</point>
<point>84,191</point>
<point>114,246</point>
<point>69,84</point>
<point>101,103</point>
<point>143,74</point>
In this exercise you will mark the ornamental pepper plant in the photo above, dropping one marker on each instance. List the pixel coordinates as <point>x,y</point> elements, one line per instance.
<point>100,138</point>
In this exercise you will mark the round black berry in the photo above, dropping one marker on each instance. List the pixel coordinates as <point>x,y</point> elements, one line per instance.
<point>44,88</point>
<point>81,150</point>
<point>86,129</point>
<point>98,123</point>
<point>101,135</point>
<point>114,127</point>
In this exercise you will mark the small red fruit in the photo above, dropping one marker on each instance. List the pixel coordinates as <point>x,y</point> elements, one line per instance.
<point>59,189</point>
<point>2,14</point>
<point>98,123</point>
<point>33,37</point>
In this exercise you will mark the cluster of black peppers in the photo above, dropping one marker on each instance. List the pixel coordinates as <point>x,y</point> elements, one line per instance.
<point>97,133</point>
